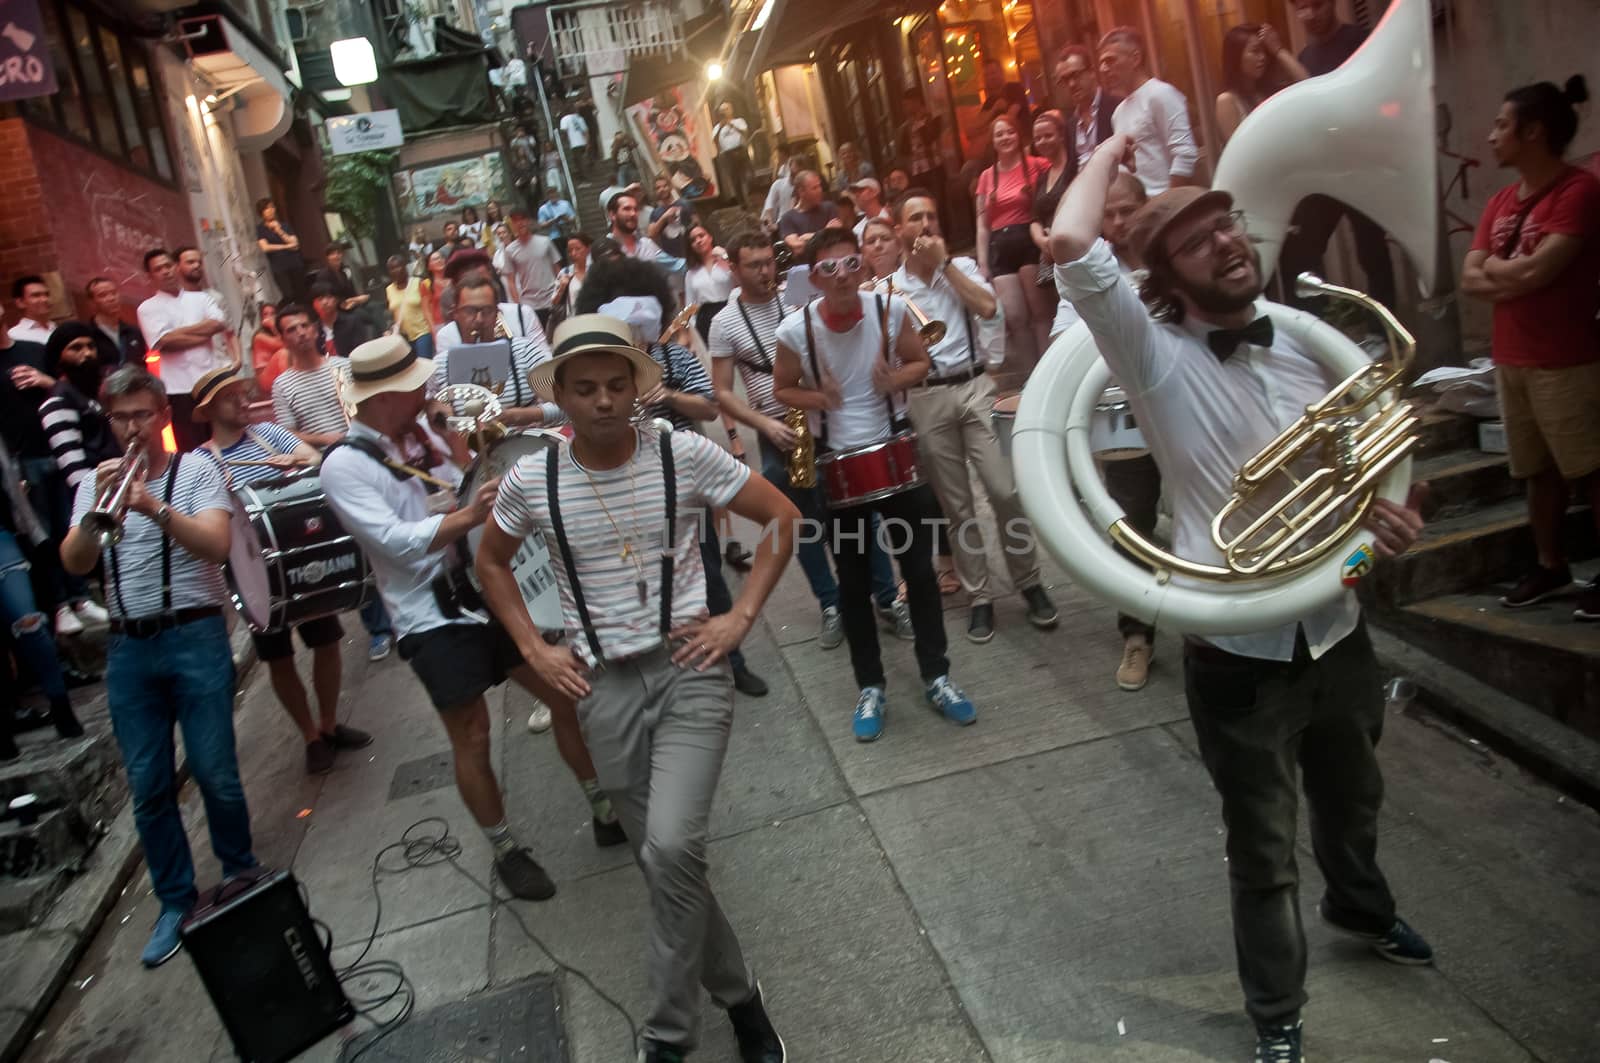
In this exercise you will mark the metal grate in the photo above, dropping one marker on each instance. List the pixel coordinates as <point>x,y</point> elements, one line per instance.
<point>518,1024</point>
<point>422,775</point>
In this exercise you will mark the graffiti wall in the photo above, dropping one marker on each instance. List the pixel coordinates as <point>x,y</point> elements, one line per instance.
<point>442,189</point>
<point>677,139</point>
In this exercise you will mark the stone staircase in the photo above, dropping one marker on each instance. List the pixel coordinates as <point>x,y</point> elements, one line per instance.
<point>1443,596</point>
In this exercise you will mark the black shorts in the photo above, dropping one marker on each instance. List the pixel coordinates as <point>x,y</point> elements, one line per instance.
<point>458,662</point>
<point>1010,249</point>
<point>276,645</point>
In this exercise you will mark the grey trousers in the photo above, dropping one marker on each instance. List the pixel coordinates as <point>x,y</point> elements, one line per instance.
<point>657,734</point>
<point>1260,724</point>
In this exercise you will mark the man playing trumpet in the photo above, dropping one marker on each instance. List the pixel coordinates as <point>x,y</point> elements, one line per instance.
<point>168,660</point>
<point>951,413</point>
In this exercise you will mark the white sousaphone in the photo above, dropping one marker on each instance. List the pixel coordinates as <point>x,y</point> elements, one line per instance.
<point>1365,134</point>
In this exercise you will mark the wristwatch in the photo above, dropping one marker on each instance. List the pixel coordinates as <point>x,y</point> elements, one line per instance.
<point>163,516</point>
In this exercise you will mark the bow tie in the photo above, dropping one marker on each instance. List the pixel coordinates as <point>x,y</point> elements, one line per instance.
<point>1224,341</point>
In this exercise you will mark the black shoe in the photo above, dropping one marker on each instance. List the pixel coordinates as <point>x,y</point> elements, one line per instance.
<point>319,757</point>
<point>1538,585</point>
<point>66,724</point>
<point>748,683</point>
<point>981,627</point>
<point>659,1052</point>
<point>8,747</point>
<point>737,556</point>
<point>25,720</point>
<point>1589,602</point>
<point>608,834</point>
<point>1041,610</point>
<point>758,1041</point>
<point>76,677</point>
<point>523,876</point>
<point>1279,1044</point>
<point>344,738</point>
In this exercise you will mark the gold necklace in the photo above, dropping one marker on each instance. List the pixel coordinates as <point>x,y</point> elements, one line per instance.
<point>628,553</point>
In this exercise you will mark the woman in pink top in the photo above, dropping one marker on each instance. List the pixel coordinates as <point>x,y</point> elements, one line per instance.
<point>1006,252</point>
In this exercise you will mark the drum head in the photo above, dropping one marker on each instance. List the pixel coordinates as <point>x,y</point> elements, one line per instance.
<point>247,571</point>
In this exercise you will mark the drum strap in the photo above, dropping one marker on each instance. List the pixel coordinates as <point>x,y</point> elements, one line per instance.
<point>376,453</point>
<point>669,476</point>
<point>816,372</point>
<point>166,551</point>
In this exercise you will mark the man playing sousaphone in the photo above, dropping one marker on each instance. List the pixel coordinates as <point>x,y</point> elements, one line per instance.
<point>1212,383</point>
<point>249,453</point>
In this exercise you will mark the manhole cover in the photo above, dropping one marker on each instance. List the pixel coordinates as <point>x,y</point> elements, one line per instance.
<point>421,775</point>
<point>517,1024</point>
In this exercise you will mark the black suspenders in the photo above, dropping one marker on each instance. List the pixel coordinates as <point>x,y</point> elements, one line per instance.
<point>669,478</point>
<point>816,372</point>
<point>166,551</point>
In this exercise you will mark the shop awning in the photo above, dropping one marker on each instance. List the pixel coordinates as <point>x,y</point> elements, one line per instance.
<point>236,63</point>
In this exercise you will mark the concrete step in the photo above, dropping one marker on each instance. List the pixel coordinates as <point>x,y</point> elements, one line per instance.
<point>25,901</point>
<point>84,773</point>
<point>1537,654</point>
<point>1484,546</point>
<point>1445,431</point>
<point>1461,481</point>
<point>59,838</point>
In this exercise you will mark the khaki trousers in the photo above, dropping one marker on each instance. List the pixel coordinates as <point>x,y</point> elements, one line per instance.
<point>954,432</point>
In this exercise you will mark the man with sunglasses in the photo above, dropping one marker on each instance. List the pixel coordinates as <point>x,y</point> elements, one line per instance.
<point>168,660</point>
<point>1211,383</point>
<point>848,358</point>
<point>1088,104</point>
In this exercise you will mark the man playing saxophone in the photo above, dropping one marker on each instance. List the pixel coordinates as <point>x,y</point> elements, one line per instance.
<point>1211,384</point>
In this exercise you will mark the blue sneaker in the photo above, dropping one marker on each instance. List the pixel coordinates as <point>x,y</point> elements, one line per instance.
<point>948,699</point>
<point>867,724</point>
<point>1400,944</point>
<point>378,646</point>
<point>164,940</point>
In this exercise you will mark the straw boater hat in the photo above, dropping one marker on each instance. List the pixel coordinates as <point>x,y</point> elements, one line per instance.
<point>210,386</point>
<point>1151,221</point>
<point>585,334</point>
<point>385,364</point>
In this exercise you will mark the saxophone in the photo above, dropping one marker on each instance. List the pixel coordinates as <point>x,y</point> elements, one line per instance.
<point>803,458</point>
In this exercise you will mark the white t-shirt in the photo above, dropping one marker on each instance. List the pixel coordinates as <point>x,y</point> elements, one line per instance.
<point>751,347</point>
<point>133,566</point>
<point>1156,116</point>
<point>848,357</point>
<point>519,319</point>
<point>31,331</point>
<point>576,129</point>
<point>532,265</point>
<point>634,494</point>
<point>730,135</point>
<point>163,312</point>
<point>708,284</point>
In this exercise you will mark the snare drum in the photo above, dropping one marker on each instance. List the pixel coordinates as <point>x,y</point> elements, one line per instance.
<point>290,560</point>
<point>868,473</point>
<point>1004,417</point>
<point>536,577</point>
<point>1114,433</point>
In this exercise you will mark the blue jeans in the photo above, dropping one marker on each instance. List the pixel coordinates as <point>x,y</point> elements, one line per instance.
<point>422,346</point>
<point>52,500</point>
<point>813,553</point>
<point>183,676</point>
<point>374,617</point>
<point>29,627</point>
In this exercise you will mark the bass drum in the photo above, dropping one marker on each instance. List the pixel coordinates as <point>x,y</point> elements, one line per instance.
<point>536,577</point>
<point>290,560</point>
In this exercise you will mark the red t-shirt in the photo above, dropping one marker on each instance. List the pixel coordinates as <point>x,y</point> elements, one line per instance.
<point>1555,326</point>
<point>1013,203</point>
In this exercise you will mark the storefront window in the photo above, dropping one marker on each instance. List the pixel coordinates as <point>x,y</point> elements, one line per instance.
<point>101,112</point>
<point>68,100</point>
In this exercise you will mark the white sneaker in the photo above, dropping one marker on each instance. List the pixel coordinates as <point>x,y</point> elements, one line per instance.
<point>832,629</point>
<point>539,719</point>
<point>67,622</point>
<point>91,614</point>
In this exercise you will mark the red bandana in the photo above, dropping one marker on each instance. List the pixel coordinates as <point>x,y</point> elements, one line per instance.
<point>836,322</point>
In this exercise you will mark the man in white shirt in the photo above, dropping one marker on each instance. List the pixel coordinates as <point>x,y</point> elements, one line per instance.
<point>952,413</point>
<point>868,196</point>
<point>1211,382</point>
<point>780,194</point>
<point>32,297</point>
<point>623,210</point>
<point>731,135</point>
<point>1153,114</point>
<point>182,327</point>
<point>531,264</point>
<point>577,133</point>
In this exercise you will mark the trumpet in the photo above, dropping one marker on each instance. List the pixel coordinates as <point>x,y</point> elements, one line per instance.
<point>931,331</point>
<point>104,521</point>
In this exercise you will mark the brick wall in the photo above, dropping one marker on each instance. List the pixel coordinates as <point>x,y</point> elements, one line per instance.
<point>26,242</point>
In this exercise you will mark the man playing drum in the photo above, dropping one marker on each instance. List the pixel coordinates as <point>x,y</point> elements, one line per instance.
<point>951,413</point>
<point>834,360</point>
<point>249,453</point>
<point>1212,382</point>
<point>380,502</point>
<point>648,667</point>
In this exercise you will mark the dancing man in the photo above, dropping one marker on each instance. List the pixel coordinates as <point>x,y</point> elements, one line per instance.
<point>845,358</point>
<point>247,453</point>
<point>1211,384</point>
<point>619,507</point>
<point>951,413</point>
<point>383,504</point>
<point>168,661</point>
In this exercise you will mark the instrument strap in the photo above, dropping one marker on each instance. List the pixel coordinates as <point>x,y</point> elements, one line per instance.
<point>398,470</point>
<point>166,550</point>
<point>883,327</point>
<point>816,374</point>
<point>761,348</point>
<point>669,476</point>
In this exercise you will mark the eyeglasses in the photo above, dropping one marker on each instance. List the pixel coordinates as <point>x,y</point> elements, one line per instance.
<point>138,418</point>
<point>830,267</point>
<point>1204,242</point>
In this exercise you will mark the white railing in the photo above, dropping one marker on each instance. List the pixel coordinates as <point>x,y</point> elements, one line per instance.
<point>602,37</point>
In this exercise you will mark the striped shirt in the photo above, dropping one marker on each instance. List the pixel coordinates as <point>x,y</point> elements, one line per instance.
<point>259,442</point>
<point>752,347</point>
<point>526,352</point>
<point>307,400</point>
<point>633,493</point>
<point>681,371</point>
<point>77,431</point>
<point>133,566</point>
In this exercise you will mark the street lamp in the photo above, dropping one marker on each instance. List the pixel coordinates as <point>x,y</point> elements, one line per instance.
<point>353,61</point>
<point>714,71</point>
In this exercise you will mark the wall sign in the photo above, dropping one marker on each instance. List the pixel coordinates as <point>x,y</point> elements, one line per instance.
<point>364,132</point>
<point>25,68</point>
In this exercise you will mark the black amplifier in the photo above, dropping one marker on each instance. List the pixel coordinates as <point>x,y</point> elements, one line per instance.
<point>262,962</point>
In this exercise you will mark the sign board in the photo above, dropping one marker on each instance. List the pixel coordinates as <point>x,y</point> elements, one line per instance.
<point>25,68</point>
<point>441,189</point>
<point>364,132</point>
